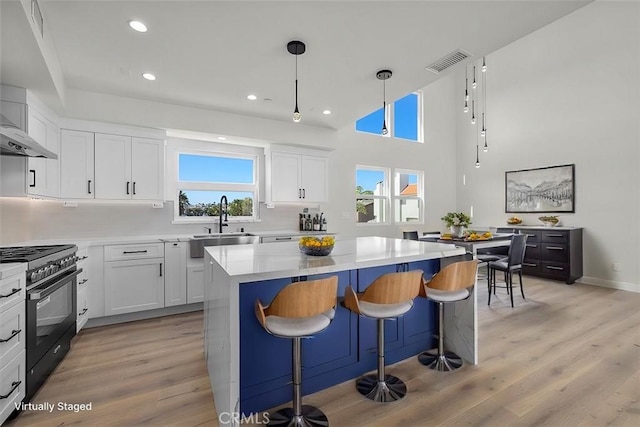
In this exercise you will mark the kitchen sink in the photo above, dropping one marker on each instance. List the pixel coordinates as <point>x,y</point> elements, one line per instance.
<point>198,242</point>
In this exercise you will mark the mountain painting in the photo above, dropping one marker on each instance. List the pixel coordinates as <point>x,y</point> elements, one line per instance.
<point>549,189</point>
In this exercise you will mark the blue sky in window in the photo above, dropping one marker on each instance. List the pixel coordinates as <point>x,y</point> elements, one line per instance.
<point>405,123</point>
<point>196,168</point>
<point>204,196</point>
<point>371,123</point>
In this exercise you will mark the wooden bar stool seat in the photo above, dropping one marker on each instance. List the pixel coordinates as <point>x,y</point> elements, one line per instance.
<point>388,297</point>
<point>299,310</point>
<point>453,283</point>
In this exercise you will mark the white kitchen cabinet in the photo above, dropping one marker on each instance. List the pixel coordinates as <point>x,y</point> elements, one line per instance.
<point>82,292</point>
<point>43,174</point>
<point>132,280</point>
<point>195,283</point>
<point>298,178</point>
<point>128,167</point>
<point>77,164</point>
<point>175,279</point>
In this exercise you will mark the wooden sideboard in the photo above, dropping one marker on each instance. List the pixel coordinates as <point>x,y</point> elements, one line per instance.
<point>552,252</point>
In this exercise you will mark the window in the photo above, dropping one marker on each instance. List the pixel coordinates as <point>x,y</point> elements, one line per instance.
<point>204,178</point>
<point>407,196</point>
<point>372,194</point>
<point>407,119</point>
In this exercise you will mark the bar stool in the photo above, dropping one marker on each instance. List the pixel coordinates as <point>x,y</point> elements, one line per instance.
<point>388,297</point>
<point>299,310</point>
<point>450,284</point>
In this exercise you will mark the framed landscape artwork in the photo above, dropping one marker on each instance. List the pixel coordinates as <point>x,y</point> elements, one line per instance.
<point>550,189</point>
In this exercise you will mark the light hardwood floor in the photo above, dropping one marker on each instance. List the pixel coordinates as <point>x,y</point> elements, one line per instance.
<point>565,356</point>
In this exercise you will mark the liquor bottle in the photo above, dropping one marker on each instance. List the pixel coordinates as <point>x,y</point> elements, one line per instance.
<point>316,223</point>
<point>301,222</point>
<point>307,225</point>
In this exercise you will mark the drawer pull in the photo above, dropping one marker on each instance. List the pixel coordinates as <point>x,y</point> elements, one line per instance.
<point>14,386</point>
<point>283,238</point>
<point>532,246</point>
<point>82,258</point>
<point>528,264</point>
<point>13,334</point>
<point>135,252</point>
<point>550,267</point>
<point>555,248</point>
<point>83,281</point>
<point>531,235</point>
<point>13,292</point>
<point>84,311</point>
<point>554,235</point>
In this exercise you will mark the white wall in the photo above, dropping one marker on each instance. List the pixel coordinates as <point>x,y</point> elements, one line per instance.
<point>435,157</point>
<point>567,93</point>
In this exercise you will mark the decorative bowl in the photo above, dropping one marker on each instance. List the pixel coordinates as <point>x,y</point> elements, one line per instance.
<point>514,220</point>
<point>549,221</point>
<point>316,246</point>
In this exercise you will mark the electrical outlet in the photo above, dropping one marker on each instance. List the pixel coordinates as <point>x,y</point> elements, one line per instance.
<point>70,204</point>
<point>617,266</point>
<point>158,205</point>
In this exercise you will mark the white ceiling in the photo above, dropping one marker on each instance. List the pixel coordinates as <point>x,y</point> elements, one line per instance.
<point>212,54</point>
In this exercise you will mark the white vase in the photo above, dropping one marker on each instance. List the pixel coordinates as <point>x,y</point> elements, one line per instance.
<point>457,230</point>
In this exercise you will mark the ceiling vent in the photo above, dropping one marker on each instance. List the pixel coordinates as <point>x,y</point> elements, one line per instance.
<point>449,60</point>
<point>36,15</point>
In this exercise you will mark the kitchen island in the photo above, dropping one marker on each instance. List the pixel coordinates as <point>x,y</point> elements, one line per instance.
<point>250,370</point>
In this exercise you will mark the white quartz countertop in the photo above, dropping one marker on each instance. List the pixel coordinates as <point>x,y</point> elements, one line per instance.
<point>248,263</point>
<point>287,233</point>
<point>11,269</point>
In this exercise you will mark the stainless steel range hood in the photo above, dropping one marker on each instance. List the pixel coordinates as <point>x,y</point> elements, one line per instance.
<point>16,142</point>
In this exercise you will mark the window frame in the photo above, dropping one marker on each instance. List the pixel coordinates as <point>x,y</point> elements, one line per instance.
<point>385,197</point>
<point>216,186</point>
<point>398,196</point>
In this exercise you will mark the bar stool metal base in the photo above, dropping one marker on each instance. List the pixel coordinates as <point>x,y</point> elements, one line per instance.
<point>447,361</point>
<point>311,417</point>
<point>389,390</point>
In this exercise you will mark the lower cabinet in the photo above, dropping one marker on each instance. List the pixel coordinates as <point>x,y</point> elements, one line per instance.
<point>133,285</point>
<point>82,304</point>
<point>175,280</point>
<point>12,384</point>
<point>195,283</point>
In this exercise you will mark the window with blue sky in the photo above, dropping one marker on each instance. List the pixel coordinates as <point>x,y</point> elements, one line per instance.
<point>405,115</point>
<point>204,178</point>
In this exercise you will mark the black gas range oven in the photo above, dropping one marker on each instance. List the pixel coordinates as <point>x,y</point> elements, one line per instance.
<point>50,306</point>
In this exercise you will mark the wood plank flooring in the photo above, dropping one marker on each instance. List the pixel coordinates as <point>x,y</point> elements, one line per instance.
<point>565,356</point>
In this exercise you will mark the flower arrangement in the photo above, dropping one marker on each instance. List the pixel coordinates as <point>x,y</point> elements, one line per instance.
<point>452,219</point>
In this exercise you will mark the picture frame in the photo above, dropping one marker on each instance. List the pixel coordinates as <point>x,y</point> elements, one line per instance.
<point>542,190</point>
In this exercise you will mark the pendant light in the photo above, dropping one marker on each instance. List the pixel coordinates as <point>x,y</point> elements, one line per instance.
<point>477,158</point>
<point>484,65</point>
<point>483,132</point>
<point>473,111</point>
<point>474,84</point>
<point>466,92</point>
<point>384,75</point>
<point>296,48</point>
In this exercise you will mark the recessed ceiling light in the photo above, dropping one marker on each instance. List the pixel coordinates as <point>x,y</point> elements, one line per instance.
<point>222,138</point>
<point>252,97</point>
<point>149,76</point>
<point>138,26</point>
<point>326,112</point>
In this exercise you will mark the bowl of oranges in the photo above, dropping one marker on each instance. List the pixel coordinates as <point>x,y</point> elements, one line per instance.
<point>316,246</point>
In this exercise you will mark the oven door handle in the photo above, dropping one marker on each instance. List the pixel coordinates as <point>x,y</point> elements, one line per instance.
<point>37,294</point>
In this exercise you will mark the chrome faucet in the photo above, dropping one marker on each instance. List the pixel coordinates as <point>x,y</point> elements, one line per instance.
<point>223,212</point>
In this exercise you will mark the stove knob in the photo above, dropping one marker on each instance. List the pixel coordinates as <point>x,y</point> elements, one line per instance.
<point>34,277</point>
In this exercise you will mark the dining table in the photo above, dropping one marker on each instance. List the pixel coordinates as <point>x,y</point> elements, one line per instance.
<point>471,246</point>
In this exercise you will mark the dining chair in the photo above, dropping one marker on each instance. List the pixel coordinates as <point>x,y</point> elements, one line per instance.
<point>509,265</point>
<point>411,235</point>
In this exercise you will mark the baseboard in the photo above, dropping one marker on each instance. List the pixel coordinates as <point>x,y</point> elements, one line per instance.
<point>622,286</point>
<point>141,315</point>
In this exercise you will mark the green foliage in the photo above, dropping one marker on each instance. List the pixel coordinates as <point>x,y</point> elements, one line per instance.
<point>456,218</point>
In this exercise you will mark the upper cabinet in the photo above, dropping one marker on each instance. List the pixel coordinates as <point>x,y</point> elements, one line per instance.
<point>110,166</point>
<point>43,174</point>
<point>76,164</point>
<point>128,167</point>
<point>298,177</point>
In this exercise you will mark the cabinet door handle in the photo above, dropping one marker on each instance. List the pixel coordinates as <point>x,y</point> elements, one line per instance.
<point>528,264</point>
<point>84,311</point>
<point>134,187</point>
<point>299,193</point>
<point>33,173</point>
<point>550,267</point>
<point>135,252</point>
<point>532,246</point>
<point>89,186</point>
<point>283,238</point>
<point>13,292</point>
<point>531,235</point>
<point>555,235</point>
<point>13,334</point>
<point>83,281</point>
<point>160,269</point>
<point>304,193</point>
<point>14,386</point>
<point>555,248</point>
<point>127,187</point>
